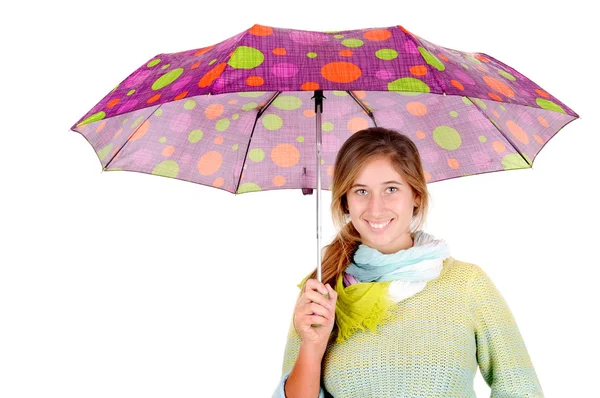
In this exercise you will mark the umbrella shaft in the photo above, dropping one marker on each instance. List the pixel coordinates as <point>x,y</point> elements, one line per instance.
<point>318,118</point>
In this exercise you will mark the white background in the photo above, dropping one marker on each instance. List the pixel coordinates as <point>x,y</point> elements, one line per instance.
<point>130,285</point>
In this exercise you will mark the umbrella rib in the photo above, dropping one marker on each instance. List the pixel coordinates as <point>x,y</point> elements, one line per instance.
<point>501,132</point>
<point>363,106</point>
<point>258,115</point>
<point>130,135</point>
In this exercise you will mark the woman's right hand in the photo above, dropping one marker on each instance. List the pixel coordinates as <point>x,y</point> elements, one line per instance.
<point>313,308</point>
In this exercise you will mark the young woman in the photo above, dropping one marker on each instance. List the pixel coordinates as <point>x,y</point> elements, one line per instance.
<point>396,315</point>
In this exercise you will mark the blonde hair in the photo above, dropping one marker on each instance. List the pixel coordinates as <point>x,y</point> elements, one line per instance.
<point>355,153</point>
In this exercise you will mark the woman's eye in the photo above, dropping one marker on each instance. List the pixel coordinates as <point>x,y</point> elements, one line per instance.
<point>358,191</point>
<point>394,188</point>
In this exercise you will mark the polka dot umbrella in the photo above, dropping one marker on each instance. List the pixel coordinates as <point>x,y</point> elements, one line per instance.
<point>240,115</point>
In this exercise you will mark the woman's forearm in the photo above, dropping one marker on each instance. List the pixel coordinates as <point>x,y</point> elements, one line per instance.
<point>304,380</point>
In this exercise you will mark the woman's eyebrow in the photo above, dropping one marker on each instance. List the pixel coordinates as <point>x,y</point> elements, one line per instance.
<point>383,183</point>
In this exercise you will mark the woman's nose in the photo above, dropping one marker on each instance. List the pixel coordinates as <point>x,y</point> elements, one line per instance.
<point>376,204</point>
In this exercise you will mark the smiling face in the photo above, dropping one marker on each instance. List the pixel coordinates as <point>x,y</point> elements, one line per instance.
<point>379,194</point>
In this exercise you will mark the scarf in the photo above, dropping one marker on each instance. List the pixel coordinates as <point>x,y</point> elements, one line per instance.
<point>375,281</point>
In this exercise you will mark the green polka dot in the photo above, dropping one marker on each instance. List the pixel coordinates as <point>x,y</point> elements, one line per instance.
<point>506,75</point>
<point>453,113</point>
<point>300,138</point>
<point>327,126</point>
<point>117,86</point>
<point>189,104</point>
<point>168,168</point>
<point>311,55</point>
<point>123,122</point>
<point>165,66</point>
<point>467,101</point>
<point>102,153</point>
<point>137,121</point>
<point>249,106</point>
<point>130,92</point>
<point>408,84</point>
<point>162,140</point>
<point>154,62</point>
<point>287,102</point>
<point>338,36</point>
<point>474,60</point>
<point>167,79</point>
<point>513,161</point>
<point>272,122</point>
<point>549,105</point>
<point>213,61</point>
<point>195,136</point>
<point>465,66</point>
<point>222,125</point>
<point>256,155</point>
<point>114,169</point>
<point>251,94</point>
<point>495,124</point>
<point>158,112</point>
<point>482,138</point>
<point>248,187</point>
<point>503,108</point>
<point>352,43</point>
<point>235,147</point>
<point>447,137</point>
<point>340,93</point>
<point>322,161</point>
<point>246,58</point>
<point>479,103</point>
<point>92,118</point>
<point>431,59</point>
<point>386,54</point>
<point>235,116</point>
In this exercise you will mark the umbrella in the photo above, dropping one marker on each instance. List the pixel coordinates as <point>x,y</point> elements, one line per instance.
<point>269,108</point>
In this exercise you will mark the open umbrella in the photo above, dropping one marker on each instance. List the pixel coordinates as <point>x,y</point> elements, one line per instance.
<point>270,107</point>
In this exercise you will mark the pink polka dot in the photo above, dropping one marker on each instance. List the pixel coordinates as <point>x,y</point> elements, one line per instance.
<point>383,74</point>
<point>341,108</point>
<point>464,78</point>
<point>142,157</point>
<point>180,122</point>
<point>284,70</point>
<point>137,78</point>
<point>308,37</point>
<point>127,106</point>
<point>429,155</point>
<point>180,83</point>
<point>410,47</point>
<point>481,159</point>
<point>331,143</point>
<point>385,101</point>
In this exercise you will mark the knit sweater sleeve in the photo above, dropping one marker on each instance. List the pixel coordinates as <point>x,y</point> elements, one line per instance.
<point>292,348</point>
<point>501,353</point>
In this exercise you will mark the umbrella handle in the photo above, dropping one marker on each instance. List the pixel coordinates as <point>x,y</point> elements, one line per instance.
<point>315,325</point>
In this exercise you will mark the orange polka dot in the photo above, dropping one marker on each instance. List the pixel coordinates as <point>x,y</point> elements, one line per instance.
<point>341,72</point>
<point>213,111</point>
<point>542,93</point>
<point>417,108</point>
<point>360,94</point>
<point>218,182</point>
<point>457,84</point>
<point>209,163</point>
<point>378,34</point>
<point>404,30</point>
<point>357,123</point>
<point>309,112</point>
<point>453,163</point>
<point>153,99</point>
<point>232,102</point>
<point>118,133</point>
<point>499,86</point>
<point>421,135</point>
<point>203,50</point>
<point>481,58</point>
<point>517,132</point>
<point>279,181</point>
<point>212,75</point>
<point>495,97</point>
<point>255,81</point>
<point>427,175</point>
<point>180,95</point>
<point>418,70</point>
<point>366,104</point>
<point>442,57</point>
<point>330,170</point>
<point>481,68</point>
<point>310,86</point>
<point>168,150</point>
<point>115,152</point>
<point>285,155</point>
<point>279,51</point>
<point>498,146</point>
<point>140,131</point>
<point>113,102</point>
<point>346,53</point>
<point>496,114</point>
<point>218,140</point>
<point>101,126</point>
<point>259,30</point>
<point>539,139</point>
<point>543,121</point>
<point>242,176</point>
<point>197,64</point>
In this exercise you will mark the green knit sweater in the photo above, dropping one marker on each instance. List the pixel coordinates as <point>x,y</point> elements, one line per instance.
<point>431,347</point>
